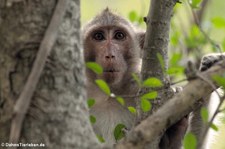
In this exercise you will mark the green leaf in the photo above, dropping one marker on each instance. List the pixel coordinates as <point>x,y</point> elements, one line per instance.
<point>214,127</point>
<point>132,110</point>
<point>195,3</point>
<point>133,16</point>
<point>145,105</point>
<point>92,119</point>
<point>218,22</point>
<point>135,77</point>
<point>219,80</point>
<point>118,132</point>
<point>100,138</point>
<point>190,141</point>
<point>204,114</point>
<point>94,67</point>
<point>175,37</point>
<point>90,102</point>
<point>150,95</point>
<point>195,38</point>
<point>176,57</point>
<point>161,61</point>
<point>152,82</point>
<point>120,100</point>
<point>176,70</point>
<point>103,86</point>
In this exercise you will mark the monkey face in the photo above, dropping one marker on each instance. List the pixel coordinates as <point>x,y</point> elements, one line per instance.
<point>112,48</point>
<point>115,44</point>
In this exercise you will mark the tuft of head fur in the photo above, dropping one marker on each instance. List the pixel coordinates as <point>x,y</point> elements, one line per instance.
<point>107,18</point>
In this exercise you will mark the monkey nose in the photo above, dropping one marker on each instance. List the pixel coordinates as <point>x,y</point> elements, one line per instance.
<point>109,57</point>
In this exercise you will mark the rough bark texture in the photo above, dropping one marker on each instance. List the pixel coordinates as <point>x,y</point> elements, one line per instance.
<point>157,38</point>
<point>156,43</point>
<point>155,46</point>
<point>58,116</point>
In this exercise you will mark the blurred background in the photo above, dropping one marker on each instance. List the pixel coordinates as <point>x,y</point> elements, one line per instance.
<point>195,30</point>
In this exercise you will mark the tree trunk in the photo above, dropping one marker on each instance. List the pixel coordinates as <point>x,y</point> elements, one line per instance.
<point>58,115</point>
<point>155,57</point>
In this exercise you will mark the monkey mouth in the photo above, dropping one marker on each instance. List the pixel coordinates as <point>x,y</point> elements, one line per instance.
<point>111,70</point>
<point>111,75</point>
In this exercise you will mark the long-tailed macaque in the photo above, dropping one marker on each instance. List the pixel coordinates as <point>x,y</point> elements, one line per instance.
<point>112,42</point>
<point>115,44</point>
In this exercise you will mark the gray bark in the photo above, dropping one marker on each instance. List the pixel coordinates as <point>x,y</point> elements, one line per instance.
<point>58,115</point>
<point>156,43</point>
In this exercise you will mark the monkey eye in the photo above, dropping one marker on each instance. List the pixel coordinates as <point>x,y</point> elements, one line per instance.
<point>119,35</point>
<point>98,36</point>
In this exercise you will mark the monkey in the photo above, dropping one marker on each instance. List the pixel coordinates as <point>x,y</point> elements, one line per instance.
<point>114,43</point>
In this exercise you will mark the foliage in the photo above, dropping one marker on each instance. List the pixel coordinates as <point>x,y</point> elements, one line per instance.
<point>90,102</point>
<point>119,131</point>
<point>92,119</point>
<point>94,67</point>
<point>220,80</point>
<point>150,95</point>
<point>120,100</point>
<point>132,110</point>
<point>195,3</point>
<point>204,114</point>
<point>152,82</point>
<point>190,141</point>
<point>145,105</point>
<point>137,79</point>
<point>214,127</point>
<point>134,17</point>
<point>100,138</point>
<point>103,86</point>
<point>218,22</point>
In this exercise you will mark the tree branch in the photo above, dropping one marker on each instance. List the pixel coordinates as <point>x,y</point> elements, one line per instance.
<point>23,102</point>
<point>155,54</point>
<point>184,102</point>
<point>157,38</point>
<point>201,11</point>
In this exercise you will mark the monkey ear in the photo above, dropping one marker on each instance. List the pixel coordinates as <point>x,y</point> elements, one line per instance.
<point>141,38</point>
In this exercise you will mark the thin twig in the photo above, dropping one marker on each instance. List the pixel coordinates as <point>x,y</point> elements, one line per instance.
<point>201,11</point>
<point>23,102</point>
<point>179,81</point>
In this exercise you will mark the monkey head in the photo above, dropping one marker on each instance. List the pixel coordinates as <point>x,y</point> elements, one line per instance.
<point>112,42</point>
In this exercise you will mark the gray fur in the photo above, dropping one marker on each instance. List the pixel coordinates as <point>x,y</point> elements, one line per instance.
<point>107,110</point>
